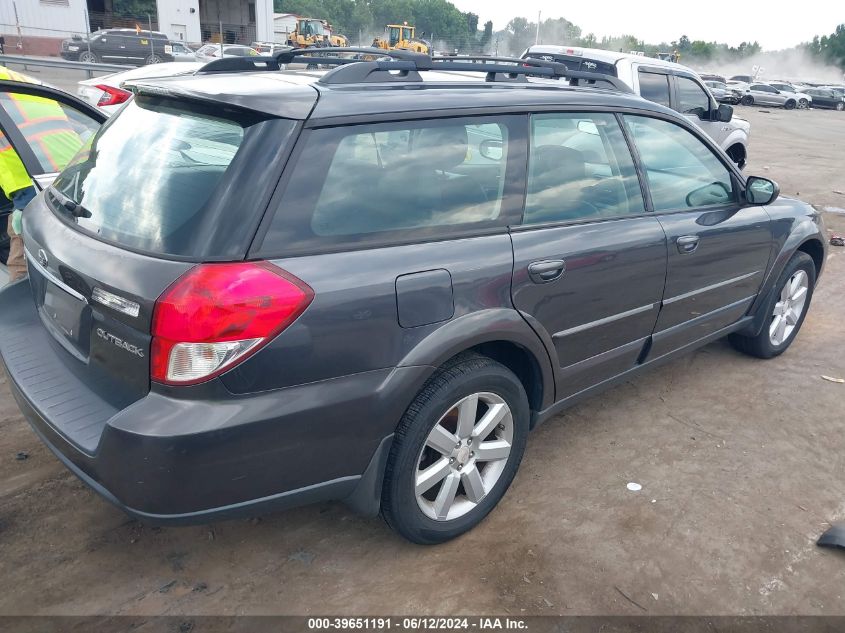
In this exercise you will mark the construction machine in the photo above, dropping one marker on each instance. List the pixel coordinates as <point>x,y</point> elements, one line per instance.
<point>402,37</point>
<point>310,32</point>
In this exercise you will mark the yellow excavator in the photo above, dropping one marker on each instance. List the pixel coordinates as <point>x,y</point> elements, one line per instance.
<point>402,37</point>
<point>310,32</point>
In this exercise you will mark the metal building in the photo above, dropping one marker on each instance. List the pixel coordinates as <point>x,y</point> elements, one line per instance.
<point>36,27</point>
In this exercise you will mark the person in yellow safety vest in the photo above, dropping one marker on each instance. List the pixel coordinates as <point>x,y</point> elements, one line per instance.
<point>52,139</point>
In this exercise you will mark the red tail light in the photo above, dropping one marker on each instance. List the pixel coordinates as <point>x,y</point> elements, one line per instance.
<point>217,315</point>
<point>112,96</point>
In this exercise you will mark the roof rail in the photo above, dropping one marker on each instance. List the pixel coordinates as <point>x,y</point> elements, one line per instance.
<point>369,65</point>
<point>240,64</point>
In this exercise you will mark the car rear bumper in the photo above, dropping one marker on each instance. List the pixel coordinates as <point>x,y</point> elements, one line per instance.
<point>194,454</point>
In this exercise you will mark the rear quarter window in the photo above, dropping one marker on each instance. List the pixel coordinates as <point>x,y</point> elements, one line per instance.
<point>362,185</point>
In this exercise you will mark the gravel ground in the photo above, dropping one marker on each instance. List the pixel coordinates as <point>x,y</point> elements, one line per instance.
<point>740,461</point>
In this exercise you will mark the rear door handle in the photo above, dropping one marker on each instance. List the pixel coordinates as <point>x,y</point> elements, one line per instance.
<point>547,270</point>
<point>687,244</point>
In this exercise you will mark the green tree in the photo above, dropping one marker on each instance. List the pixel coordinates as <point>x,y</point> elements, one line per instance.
<point>472,22</point>
<point>520,35</point>
<point>135,9</point>
<point>487,35</point>
<point>829,48</point>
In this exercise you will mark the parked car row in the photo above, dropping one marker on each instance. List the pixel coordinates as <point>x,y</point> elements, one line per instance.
<point>749,91</point>
<point>138,47</point>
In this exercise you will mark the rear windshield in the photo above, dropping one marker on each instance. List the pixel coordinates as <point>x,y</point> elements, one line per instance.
<point>147,179</point>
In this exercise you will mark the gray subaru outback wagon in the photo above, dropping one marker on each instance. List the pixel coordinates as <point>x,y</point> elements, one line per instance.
<point>255,288</point>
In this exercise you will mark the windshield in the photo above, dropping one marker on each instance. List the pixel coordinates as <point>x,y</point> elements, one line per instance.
<point>311,27</point>
<point>145,178</point>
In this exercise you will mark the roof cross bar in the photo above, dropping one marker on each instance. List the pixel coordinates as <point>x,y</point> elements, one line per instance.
<point>376,65</point>
<point>304,55</point>
<point>240,64</point>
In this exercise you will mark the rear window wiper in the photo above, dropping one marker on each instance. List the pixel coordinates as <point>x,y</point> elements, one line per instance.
<point>75,209</point>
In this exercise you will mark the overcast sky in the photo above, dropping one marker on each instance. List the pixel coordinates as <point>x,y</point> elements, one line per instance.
<point>776,25</point>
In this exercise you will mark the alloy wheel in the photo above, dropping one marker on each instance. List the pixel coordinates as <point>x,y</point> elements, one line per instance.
<point>789,308</point>
<point>464,456</point>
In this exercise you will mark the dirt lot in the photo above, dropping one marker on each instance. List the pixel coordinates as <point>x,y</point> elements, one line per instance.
<point>742,464</point>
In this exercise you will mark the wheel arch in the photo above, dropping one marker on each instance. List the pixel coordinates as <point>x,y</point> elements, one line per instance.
<point>499,333</point>
<point>802,240</point>
<point>815,249</point>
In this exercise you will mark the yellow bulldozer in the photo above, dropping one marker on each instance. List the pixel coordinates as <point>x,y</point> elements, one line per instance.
<point>310,32</point>
<point>402,37</point>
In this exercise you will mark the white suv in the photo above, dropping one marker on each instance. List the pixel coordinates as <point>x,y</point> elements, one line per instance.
<point>664,82</point>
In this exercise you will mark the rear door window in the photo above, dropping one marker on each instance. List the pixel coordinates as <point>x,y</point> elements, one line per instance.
<point>388,183</point>
<point>54,131</point>
<point>654,87</point>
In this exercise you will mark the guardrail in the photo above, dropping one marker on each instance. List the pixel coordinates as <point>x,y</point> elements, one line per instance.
<point>89,68</point>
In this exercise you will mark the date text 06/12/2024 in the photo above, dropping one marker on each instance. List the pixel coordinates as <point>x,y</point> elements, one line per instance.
<point>416,623</point>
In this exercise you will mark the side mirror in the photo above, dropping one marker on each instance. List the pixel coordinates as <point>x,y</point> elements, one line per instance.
<point>761,191</point>
<point>724,113</point>
<point>490,149</point>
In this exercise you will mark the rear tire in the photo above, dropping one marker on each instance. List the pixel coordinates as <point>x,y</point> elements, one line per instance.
<point>785,309</point>
<point>456,450</point>
<point>747,100</point>
<point>153,59</point>
<point>840,106</point>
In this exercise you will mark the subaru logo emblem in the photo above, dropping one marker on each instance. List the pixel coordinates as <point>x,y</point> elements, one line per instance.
<point>42,257</point>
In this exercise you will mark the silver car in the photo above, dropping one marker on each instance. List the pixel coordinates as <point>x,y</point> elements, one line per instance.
<point>802,98</point>
<point>764,94</point>
<point>211,52</point>
<point>723,93</point>
<point>181,52</point>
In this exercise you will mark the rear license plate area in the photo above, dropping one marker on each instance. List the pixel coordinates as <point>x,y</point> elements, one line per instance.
<point>64,310</point>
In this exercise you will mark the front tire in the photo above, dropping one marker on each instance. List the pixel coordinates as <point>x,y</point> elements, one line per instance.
<point>88,57</point>
<point>153,59</point>
<point>456,450</point>
<point>840,106</point>
<point>803,104</point>
<point>789,105</point>
<point>786,308</point>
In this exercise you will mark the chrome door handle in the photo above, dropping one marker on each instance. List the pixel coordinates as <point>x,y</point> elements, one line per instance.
<point>547,270</point>
<point>687,244</point>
